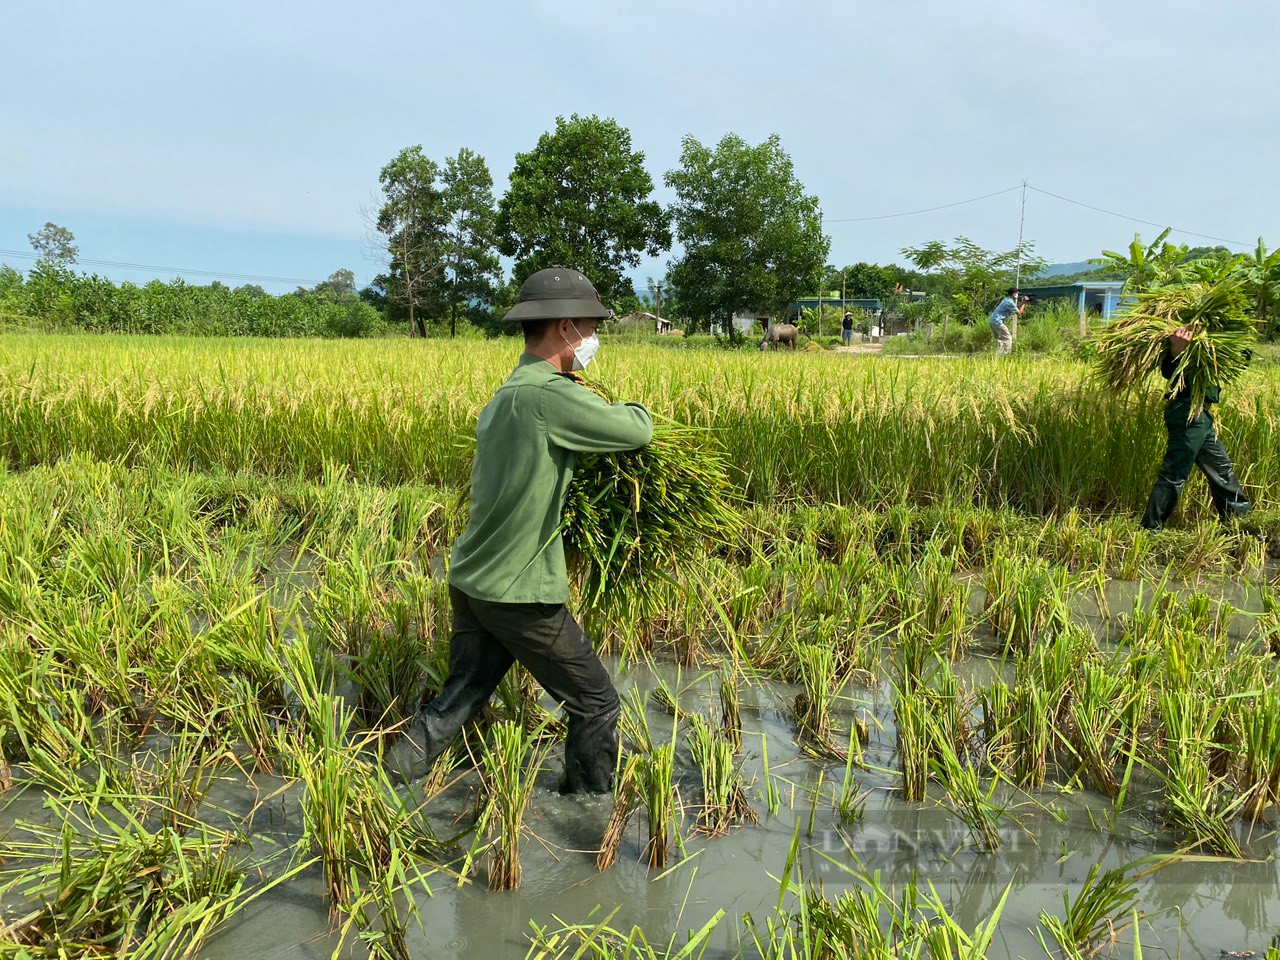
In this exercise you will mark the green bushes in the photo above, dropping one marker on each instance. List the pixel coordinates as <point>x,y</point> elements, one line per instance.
<point>55,299</point>
<point>1051,327</point>
<point>701,341</point>
<point>959,339</point>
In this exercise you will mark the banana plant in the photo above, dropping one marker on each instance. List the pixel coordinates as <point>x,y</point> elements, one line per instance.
<point>1261,275</point>
<point>1145,267</point>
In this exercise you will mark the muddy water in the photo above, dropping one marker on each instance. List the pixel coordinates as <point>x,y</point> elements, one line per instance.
<point>1194,909</point>
<point>1049,841</point>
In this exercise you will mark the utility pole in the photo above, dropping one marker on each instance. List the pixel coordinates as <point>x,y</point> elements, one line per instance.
<point>657,304</point>
<point>1022,219</point>
<point>457,266</point>
<point>1017,272</point>
<point>820,281</point>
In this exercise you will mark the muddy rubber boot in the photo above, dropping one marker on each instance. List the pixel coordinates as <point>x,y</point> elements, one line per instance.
<point>1183,447</point>
<point>408,759</point>
<point>474,673</point>
<point>590,754</point>
<point>1164,497</point>
<point>427,736</point>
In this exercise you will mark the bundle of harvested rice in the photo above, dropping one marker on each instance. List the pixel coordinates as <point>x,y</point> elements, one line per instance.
<point>1213,309</point>
<point>635,514</point>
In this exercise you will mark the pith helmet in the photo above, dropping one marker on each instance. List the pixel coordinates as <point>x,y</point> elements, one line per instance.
<point>557,293</point>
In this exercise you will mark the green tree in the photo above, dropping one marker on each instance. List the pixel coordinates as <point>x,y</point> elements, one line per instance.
<point>928,257</point>
<point>752,237</point>
<point>581,198</point>
<point>974,276</point>
<point>10,284</point>
<point>909,279</point>
<point>1218,252</point>
<point>414,219</point>
<point>341,283</point>
<point>474,268</point>
<point>55,245</point>
<point>861,281</point>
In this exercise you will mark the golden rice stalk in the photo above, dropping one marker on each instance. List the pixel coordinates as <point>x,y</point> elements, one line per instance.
<point>626,800</point>
<point>635,514</point>
<point>1215,310</point>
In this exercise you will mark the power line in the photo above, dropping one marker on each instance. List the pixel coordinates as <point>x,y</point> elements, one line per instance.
<point>1149,223</point>
<point>249,277</point>
<point>176,270</point>
<point>912,213</point>
<point>1047,193</point>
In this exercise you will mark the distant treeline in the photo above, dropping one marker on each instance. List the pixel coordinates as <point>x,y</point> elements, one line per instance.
<point>55,298</point>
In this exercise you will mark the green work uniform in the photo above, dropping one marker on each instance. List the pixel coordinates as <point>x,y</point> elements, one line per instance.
<point>507,580</point>
<point>1192,443</point>
<point>527,441</point>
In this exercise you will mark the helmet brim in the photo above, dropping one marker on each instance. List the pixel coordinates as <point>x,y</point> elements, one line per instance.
<point>557,309</point>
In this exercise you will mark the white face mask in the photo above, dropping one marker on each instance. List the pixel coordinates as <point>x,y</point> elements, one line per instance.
<point>585,350</point>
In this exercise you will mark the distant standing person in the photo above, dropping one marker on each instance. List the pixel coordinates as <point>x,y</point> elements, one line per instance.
<point>846,328</point>
<point>1005,309</point>
<point>1192,443</point>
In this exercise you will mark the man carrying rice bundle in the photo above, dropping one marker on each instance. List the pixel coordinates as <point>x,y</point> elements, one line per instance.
<point>508,582</point>
<point>1192,443</point>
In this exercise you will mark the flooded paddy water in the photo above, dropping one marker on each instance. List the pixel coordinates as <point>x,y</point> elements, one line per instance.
<point>1199,906</point>
<point>120,655</point>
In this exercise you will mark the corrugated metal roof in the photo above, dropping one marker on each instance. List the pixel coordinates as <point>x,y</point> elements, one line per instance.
<point>1068,289</point>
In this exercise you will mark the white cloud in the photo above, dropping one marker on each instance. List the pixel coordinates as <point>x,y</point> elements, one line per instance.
<point>278,116</point>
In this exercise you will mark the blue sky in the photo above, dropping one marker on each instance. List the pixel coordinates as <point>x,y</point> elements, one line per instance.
<point>246,138</point>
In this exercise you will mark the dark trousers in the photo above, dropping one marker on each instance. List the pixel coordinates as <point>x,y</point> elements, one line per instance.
<point>1193,444</point>
<point>487,639</point>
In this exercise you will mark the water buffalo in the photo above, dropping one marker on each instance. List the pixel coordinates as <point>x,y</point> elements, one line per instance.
<point>780,334</point>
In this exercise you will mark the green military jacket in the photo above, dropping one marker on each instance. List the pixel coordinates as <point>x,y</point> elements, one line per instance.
<point>527,441</point>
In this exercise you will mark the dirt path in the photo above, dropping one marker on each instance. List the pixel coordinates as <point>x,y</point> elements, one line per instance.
<point>859,348</point>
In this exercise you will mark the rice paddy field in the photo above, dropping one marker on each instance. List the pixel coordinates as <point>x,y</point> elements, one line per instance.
<point>939,697</point>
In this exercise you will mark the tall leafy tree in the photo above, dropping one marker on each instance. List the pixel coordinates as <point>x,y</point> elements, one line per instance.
<point>975,277</point>
<point>927,257</point>
<point>414,219</point>
<point>752,237</point>
<point>341,283</point>
<point>474,269</point>
<point>860,281</point>
<point>55,246</point>
<point>581,198</point>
